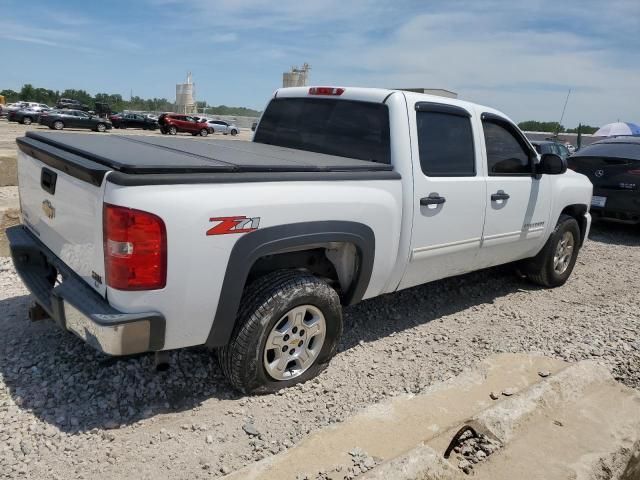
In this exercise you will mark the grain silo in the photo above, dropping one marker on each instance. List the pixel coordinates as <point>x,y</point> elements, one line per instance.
<point>186,96</point>
<point>297,77</point>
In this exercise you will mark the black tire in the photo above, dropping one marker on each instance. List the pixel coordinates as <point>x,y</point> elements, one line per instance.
<point>172,130</point>
<point>540,269</point>
<point>101,127</point>
<point>263,305</point>
<point>204,132</point>
<point>27,121</point>
<point>234,132</point>
<point>163,130</point>
<point>58,125</point>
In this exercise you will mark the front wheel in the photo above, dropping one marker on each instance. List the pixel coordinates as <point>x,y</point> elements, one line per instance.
<point>58,125</point>
<point>234,132</point>
<point>554,264</point>
<point>286,332</point>
<point>101,127</point>
<point>26,121</point>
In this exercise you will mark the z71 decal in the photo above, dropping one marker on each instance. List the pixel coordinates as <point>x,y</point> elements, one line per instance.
<point>226,225</point>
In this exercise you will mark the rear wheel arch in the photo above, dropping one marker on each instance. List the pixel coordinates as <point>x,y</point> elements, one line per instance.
<point>343,242</point>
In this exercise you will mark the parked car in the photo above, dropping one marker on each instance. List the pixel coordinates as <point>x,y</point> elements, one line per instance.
<point>613,166</point>
<point>133,120</point>
<point>549,146</point>
<point>174,123</point>
<point>12,107</point>
<point>344,194</point>
<point>26,116</point>
<point>71,104</point>
<point>220,126</point>
<point>66,118</point>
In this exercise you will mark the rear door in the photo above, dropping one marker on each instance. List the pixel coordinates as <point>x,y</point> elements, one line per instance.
<point>70,119</point>
<point>449,193</point>
<point>518,202</point>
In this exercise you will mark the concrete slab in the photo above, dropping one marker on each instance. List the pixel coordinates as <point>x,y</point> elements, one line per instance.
<point>9,215</point>
<point>392,428</point>
<point>577,423</point>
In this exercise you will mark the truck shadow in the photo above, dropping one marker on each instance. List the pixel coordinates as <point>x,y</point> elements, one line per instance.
<point>67,384</point>
<point>381,316</point>
<point>615,233</point>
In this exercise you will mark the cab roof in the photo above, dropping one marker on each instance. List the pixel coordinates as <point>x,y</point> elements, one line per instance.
<point>380,95</point>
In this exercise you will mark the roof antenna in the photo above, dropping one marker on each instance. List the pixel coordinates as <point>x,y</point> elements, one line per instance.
<point>562,116</point>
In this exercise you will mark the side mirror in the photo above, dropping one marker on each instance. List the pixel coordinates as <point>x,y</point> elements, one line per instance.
<point>551,164</point>
<point>254,125</point>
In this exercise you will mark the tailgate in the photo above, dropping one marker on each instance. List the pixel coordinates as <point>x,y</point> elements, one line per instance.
<point>64,210</point>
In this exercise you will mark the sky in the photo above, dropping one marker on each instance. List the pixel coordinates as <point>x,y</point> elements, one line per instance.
<point>519,57</point>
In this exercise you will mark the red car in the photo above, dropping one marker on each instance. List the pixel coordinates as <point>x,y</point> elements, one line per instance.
<point>173,123</point>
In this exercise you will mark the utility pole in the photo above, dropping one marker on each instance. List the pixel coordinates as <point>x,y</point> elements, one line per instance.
<point>563,110</point>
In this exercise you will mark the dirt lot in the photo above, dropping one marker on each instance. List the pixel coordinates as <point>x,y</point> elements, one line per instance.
<point>10,130</point>
<point>69,412</point>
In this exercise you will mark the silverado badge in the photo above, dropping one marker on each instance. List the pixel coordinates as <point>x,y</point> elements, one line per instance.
<point>48,209</point>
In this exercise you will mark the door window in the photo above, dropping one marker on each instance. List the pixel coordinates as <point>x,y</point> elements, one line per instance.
<point>505,153</point>
<point>446,144</point>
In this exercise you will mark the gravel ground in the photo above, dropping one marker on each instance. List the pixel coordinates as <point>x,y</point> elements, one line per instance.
<point>69,412</point>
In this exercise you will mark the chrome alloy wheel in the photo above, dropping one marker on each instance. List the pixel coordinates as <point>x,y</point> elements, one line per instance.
<point>564,252</point>
<point>295,342</point>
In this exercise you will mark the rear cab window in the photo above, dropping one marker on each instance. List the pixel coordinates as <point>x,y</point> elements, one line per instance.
<point>445,140</point>
<point>344,128</point>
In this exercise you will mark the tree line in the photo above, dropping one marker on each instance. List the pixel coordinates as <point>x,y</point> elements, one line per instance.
<point>553,127</point>
<point>29,93</point>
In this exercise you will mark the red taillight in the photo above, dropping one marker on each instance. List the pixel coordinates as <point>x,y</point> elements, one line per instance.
<point>326,91</point>
<point>135,249</point>
<point>635,171</point>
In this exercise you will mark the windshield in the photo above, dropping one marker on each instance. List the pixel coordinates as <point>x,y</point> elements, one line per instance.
<point>344,128</point>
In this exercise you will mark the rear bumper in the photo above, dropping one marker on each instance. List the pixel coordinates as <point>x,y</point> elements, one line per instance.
<point>621,204</point>
<point>75,306</point>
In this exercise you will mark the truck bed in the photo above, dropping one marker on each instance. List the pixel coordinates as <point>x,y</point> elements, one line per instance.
<point>162,155</point>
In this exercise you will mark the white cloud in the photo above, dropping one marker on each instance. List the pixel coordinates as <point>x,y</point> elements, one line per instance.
<point>224,37</point>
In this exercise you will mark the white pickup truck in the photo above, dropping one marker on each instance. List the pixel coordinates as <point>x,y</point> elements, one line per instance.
<point>150,243</point>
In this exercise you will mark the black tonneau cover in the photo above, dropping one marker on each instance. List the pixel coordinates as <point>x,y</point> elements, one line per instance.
<point>159,154</point>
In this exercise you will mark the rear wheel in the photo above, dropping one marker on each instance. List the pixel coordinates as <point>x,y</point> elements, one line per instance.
<point>554,264</point>
<point>58,124</point>
<point>172,130</point>
<point>101,127</point>
<point>204,132</point>
<point>27,121</point>
<point>286,332</point>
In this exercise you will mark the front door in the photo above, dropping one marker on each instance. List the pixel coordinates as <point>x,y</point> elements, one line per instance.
<point>518,201</point>
<point>449,193</point>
